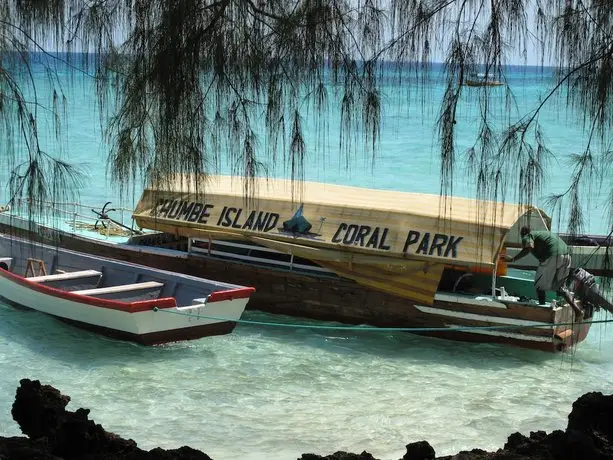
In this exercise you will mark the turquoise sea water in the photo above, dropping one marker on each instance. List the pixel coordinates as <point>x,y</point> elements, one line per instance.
<point>275,393</point>
<point>408,154</point>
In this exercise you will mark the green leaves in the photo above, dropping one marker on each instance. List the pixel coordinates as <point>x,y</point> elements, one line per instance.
<point>195,82</point>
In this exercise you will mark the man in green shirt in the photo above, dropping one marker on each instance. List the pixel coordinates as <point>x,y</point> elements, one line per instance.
<point>553,257</point>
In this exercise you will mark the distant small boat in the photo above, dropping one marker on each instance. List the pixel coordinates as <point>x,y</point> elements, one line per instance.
<point>481,80</point>
<point>117,299</point>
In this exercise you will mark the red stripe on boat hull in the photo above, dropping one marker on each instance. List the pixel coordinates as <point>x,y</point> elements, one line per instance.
<point>130,307</point>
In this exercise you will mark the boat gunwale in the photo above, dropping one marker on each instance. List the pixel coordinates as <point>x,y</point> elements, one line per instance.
<point>235,291</point>
<point>126,307</point>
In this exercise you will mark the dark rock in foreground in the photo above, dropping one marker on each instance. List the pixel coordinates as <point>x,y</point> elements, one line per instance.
<point>340,455</point>
<point>589,436</point>
<point>55,433</point>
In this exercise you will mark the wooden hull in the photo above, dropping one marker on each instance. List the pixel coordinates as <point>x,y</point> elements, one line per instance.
<point>150,321</point>
<point>159,337</point>
<point>335,298</point>
<point>455,313</point>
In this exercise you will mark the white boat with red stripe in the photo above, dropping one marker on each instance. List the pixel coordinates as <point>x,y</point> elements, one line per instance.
<point>118,299</point>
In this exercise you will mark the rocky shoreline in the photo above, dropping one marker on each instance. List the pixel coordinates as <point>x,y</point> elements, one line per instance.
<point>53,433</point>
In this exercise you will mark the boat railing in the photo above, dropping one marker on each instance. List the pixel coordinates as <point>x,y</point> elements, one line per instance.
<point>249,253</point>
<point>74,211</point>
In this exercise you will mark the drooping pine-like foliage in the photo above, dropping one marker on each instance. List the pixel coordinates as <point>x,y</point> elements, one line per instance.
<point>190,80</point>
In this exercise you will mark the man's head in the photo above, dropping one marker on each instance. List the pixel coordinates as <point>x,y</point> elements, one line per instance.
<point>524,231</point>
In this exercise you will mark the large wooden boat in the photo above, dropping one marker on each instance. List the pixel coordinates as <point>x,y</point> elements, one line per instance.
<point>348,254</point>
<point>118,299</point>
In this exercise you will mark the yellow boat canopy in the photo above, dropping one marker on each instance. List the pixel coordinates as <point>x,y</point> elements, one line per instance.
<point>337,223</point>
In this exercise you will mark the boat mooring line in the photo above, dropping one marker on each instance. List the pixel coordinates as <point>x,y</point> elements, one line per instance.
<point>382,329</point>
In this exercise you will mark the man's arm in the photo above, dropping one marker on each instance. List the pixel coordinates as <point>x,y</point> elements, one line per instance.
<point>528,244</point>
<point>523,253</point>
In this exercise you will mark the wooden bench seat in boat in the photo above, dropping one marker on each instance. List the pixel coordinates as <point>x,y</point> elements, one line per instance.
<point>65,276</point>
<point>120,288</point>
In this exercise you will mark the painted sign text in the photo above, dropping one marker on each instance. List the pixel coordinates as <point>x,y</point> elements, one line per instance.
<point>189,211</point>
<point>427,244</point>
<point>248,220</point>
<point>361,235</point>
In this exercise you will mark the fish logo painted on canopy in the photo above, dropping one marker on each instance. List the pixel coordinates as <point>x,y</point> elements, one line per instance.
<point>299,226</point>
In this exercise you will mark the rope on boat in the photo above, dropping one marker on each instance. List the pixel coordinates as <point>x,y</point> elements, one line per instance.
<point>380,329</point>
<point>112,229</point>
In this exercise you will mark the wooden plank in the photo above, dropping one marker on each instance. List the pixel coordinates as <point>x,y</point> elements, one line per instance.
<point>517,311</point>
<point>65,276</point>
<point>120,288</point>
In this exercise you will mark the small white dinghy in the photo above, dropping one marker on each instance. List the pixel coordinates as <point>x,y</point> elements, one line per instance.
<point>117,299</point>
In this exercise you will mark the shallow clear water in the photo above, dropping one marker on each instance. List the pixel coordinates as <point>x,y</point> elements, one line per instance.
<point>265,392</point>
